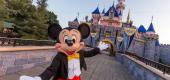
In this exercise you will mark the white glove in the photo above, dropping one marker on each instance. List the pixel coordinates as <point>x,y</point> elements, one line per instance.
<point>102,46</point>
<point>29,78</point>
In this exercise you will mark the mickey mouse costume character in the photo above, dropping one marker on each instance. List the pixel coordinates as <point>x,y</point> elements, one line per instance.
<point>69,61</point>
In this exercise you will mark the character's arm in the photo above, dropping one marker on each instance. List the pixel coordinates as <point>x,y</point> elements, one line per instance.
<point>96,50</point>
<point>48,73</point>
<point>52,69</point>
<point>91,53</point>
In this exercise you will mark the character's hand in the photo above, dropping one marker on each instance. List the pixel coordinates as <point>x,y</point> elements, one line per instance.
<point>29,78</point>
<point>102,46</point>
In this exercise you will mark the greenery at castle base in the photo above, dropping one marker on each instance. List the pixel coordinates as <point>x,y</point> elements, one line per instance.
<point>31,21</point>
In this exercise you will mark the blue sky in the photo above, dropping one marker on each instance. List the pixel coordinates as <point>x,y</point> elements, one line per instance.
<point>141,12</point>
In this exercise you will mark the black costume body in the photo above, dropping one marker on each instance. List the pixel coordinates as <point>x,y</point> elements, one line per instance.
<point>59,65</point>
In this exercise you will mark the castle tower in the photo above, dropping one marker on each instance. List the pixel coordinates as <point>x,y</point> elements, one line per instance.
<point>150,40</point>
<point>128,17</point>
<point>129,22</point>
<point>120,6</point>
<point>96,16</point>
<point>112,18</point>
<point>74,23</point>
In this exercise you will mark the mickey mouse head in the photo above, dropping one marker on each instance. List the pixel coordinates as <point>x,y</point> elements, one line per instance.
<point>69,40</point>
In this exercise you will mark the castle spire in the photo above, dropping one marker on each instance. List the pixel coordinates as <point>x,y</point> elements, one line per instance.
<point>128,17</point>
<point>103,12</point>
<point>113,4</point>
<point>152,19</point>
<point>78,14</point>
<point>151,27</point>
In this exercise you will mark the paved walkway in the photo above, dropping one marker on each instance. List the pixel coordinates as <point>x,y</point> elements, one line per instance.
<point>100,67</point>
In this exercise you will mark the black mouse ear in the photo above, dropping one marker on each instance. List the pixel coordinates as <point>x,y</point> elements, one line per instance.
<point>54,31</point>
<point>84,30</point>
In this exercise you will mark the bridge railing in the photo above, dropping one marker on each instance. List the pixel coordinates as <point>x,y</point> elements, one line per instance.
<point>162,67</point>
<point>24,42</point>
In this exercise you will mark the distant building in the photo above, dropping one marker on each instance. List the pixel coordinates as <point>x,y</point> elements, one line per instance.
<point>9,30</point>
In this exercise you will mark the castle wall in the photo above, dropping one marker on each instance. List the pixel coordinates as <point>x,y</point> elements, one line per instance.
<point>165,53</point>
<point>137,46</point>
<point>140,70</point>
<point>150,49</point>
<point>157,53</point>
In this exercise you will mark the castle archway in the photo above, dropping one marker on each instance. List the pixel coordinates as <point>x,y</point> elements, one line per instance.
<point>111,49</point>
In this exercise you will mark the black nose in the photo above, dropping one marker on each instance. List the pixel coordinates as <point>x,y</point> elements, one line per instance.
<point>69,42</point>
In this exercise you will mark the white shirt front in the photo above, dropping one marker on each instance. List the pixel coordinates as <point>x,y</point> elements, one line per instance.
<point>74,68</point>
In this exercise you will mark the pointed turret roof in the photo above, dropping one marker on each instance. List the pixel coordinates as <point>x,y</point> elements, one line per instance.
<point>113,7</point>
<point>151,28</point>
<point>75,20</point>
<point>157,43</point>
<point>107,13</point>
<point>141,29</point>
<point>128,17</point>
<point>103,12</point>
<point>96,11</point>
<point>116,14</point>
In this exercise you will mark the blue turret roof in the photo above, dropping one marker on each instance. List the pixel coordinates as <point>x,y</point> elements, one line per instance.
<point>151,28</point>
<point>96,11</point>
<point>103,12</point>
<point>107,13</point>
<point>157,43</point>
<point>76,20</point>
<point>113,7</point>
<point>116,14</point>
<point>141,29</point>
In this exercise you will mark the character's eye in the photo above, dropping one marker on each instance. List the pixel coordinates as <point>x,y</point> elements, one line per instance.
<point>65,38</point>
<point>74,39</point>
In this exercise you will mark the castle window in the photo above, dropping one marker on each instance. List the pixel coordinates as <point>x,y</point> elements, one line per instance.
<point>107,34</point>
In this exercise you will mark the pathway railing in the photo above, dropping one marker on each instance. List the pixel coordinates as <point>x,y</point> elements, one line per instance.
<point>162,67</point>
<point>24,42</point>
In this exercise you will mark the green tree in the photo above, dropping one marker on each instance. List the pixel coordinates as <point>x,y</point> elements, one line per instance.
<point>32,20</point>
<point>3,10</point>
<point>52,18</point>
<point>3,13</point>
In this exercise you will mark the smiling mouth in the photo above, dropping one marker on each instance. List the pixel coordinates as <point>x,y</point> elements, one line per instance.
<point>70,52</point>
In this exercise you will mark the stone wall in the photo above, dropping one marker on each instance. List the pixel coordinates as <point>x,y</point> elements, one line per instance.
<point>13,61</point>
<point>137,46</point>
<point>150,49</point>
<point>165,53</point>
<point>140,70</point>
<point>157,53</point>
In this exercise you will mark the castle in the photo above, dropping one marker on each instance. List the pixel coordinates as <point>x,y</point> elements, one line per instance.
<point>109,25</point>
